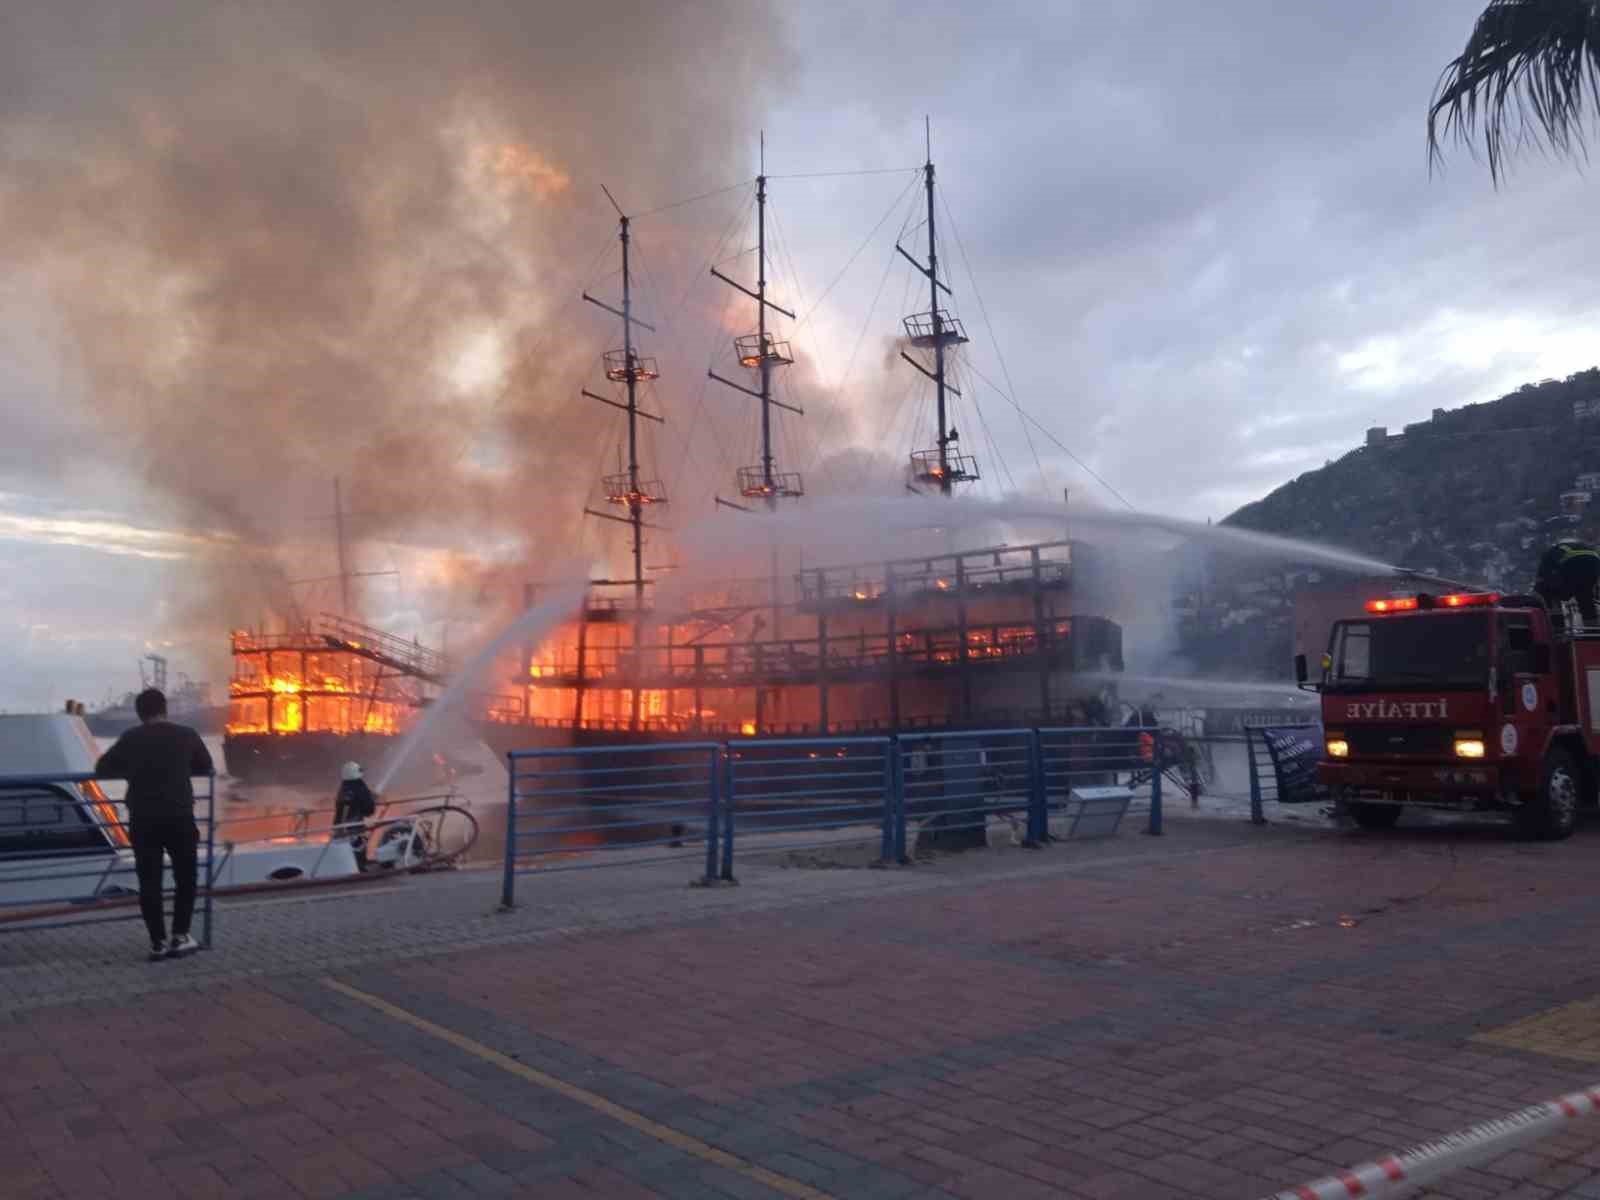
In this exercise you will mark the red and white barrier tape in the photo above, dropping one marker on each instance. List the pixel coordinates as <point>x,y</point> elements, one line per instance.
<point>1397,1174</point>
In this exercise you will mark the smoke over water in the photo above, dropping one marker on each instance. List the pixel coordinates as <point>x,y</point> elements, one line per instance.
<point>278,243</point>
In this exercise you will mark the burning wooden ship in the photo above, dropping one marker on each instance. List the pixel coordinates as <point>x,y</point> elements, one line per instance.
<point>988,636</point>
<point>993,635</point>
<point>302,702</point>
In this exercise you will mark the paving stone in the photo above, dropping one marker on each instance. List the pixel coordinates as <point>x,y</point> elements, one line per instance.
<point>1143,1019</point>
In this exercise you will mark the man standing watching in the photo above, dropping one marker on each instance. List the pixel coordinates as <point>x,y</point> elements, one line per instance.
<point>158,759</point>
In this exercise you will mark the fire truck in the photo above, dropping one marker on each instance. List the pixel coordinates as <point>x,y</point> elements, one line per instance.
<point>1470,701</point>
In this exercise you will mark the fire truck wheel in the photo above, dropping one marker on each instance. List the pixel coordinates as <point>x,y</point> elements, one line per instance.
<point>1554,815</point>
<point>1374,816</point>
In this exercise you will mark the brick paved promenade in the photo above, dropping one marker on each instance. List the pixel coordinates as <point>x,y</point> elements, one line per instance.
<point>1216,1013</point>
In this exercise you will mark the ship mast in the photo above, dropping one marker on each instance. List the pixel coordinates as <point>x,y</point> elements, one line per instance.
<point>762,352</point>
<point>938,331</point>
<point>345,574</point>
<point>626,488</point>
<point>344,568</point>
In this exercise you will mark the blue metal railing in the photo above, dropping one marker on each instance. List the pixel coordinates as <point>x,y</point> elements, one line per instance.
<point>954,782</point>
<point>812,786</point>
<point>570,808</point>
<point>1072,758</point>
<point>1266,782</point>
<point>565,804</point>
<point>80,865</point>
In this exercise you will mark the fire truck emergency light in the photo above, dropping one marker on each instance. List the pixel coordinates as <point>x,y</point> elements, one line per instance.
<point>1412,603</point>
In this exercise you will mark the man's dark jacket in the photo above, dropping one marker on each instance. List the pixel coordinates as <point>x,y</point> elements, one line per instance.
<point>157,760</point>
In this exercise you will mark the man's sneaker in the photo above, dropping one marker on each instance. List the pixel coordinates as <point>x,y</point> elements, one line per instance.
<point>158,951</point>
<point>181,945</point>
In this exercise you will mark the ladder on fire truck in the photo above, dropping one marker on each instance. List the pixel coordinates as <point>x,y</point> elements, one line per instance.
<point>397,654</point>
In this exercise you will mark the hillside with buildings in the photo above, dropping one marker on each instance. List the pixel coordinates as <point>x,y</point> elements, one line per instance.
<point>1474,494</point>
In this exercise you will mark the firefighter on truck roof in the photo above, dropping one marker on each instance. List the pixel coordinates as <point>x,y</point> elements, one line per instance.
<point>1570,570</point>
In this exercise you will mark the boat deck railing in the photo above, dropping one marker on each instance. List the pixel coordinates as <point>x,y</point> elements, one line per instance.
<point>79,868</point>
<point>807,659</point>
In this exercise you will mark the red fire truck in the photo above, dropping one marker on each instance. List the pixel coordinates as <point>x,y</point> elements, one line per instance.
<point>1470,701</point>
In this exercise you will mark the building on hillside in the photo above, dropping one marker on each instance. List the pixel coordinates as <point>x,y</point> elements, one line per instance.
<point>1585,410</point>
<point>1589,481</point>
<point>1379,437</point>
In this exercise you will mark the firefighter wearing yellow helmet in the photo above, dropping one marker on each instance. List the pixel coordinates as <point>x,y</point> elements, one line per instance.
<point>1570,570</point>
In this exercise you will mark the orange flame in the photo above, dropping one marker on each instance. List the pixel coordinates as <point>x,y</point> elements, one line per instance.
<point>340,693</point>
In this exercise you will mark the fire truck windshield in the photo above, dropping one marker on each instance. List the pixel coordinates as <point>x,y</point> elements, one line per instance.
<point>1432,651</point>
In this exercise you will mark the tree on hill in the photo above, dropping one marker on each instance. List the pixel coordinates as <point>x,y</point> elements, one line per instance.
<point>1530,74</point>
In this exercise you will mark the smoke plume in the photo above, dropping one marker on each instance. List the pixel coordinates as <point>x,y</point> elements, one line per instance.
<point>285,242</point>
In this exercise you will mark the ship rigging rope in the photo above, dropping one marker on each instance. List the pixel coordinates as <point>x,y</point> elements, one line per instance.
<point>1060,445</point>
<point>687,443</point>
<point>651,288</point>
<point>782,382</point>
<point>912,384</point>
<point>841,174</point>
<point>745,182</point>
<point>722,191</point>
<point>699,275</point>
<point>993,340</point>
<point>705,383</point>
<point>913,381</point>
<point>820,441</point>
<point>1009,392</point>
<point>786,385</point>
<point>649,434</point>
<point>988,433</point>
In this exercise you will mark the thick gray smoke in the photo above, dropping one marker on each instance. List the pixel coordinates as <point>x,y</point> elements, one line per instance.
<point>282,242</point>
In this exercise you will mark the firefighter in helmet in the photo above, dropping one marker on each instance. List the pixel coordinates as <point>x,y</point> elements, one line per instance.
<point>354,805</point>
<point>1570,570</point>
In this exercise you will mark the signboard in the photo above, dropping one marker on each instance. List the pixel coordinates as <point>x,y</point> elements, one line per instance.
<point>1097,811</point>
<point>1231,722</point>
<point>1295,752</point>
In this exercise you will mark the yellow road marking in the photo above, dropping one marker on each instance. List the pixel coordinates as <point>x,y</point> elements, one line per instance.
<point>617,1112</point>
<point>1571,1031</point>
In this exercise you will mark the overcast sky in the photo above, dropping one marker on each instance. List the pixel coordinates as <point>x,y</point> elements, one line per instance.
<point>1204,236</point>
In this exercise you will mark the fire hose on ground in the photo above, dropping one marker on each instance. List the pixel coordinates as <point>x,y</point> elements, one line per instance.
<point>1401,1173</point>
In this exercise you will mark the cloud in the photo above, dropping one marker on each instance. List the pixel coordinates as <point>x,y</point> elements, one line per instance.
<point>107,537</point>
<point>1189,220</point>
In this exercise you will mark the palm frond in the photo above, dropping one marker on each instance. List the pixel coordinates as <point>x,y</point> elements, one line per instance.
<point>1530,75</point>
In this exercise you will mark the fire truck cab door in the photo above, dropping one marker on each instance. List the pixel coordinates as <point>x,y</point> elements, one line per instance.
<point>1528,704</point>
